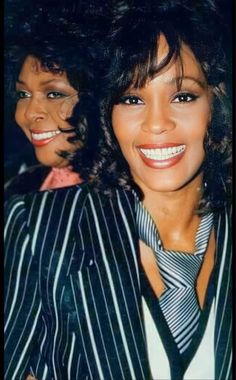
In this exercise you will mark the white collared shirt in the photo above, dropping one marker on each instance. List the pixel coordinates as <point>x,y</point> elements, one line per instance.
<point>202,365</point>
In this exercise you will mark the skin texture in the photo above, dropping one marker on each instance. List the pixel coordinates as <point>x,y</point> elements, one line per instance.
<point>160,115</point>
<point>45,101</point>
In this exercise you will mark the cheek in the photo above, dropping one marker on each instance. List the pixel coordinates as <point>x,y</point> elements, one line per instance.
<point>65,110</point>
<point>61,143</point>
<point>123,127</point>
<point>203,118</point>
<point>19,116</point>
<point>116,121</point>
<point>20,120</point>
<point>195,118</point>
<point>195,127</point>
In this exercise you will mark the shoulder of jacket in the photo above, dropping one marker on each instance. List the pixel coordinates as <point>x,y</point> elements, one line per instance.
<point>27,181</point>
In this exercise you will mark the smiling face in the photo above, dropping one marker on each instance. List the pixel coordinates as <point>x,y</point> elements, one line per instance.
<point>161,128</point>
<point>44,101</point>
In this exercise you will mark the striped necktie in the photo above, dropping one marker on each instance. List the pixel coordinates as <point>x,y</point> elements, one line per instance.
<point>179,271</point>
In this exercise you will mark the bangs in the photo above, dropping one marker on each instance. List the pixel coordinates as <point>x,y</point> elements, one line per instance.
<point>44,64</point>
<point>140,66</point>
<point>150,67</point>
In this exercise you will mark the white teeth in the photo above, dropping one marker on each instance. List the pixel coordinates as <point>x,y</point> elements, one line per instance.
<point>44,135</point>
<point>160,154</point>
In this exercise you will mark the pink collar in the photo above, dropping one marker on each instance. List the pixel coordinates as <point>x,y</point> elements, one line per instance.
<point>60,177</point>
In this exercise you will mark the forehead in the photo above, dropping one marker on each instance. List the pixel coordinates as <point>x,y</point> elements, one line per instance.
<point>186,65</point>
<point>32,66</point>
<point>158,65</point>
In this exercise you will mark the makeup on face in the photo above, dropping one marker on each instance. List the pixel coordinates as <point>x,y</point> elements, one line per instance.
<point>161,126</point>
<point>40,139</point>
<point>161,156</point>
<point>44,102</point>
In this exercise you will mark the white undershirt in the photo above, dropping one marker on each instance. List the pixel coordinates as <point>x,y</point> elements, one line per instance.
<point>201,367</point>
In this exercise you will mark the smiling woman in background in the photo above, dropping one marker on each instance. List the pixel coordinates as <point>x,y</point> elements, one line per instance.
<point>45,100</point>
<point>50,69</point>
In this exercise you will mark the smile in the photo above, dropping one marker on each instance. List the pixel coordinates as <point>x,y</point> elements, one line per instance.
<point>161,154</point>
<point>44,135</point>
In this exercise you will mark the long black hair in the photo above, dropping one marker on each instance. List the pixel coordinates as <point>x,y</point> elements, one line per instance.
<point>132,50</point>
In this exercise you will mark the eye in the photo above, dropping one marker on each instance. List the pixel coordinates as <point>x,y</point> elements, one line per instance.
<point>21,94</point>
<point>184,97</point>
<point>56,95</point>
<point>131,100</point>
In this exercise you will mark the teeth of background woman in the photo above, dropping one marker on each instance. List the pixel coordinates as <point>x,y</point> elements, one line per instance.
<point>45,135</point>
<point>163,153</point>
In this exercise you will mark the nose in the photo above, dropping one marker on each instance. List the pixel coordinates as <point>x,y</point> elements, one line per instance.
<point>158,119</point>
<point>35,111</point>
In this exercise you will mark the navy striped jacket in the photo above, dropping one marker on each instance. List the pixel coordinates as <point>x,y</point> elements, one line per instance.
<point>72,295</point>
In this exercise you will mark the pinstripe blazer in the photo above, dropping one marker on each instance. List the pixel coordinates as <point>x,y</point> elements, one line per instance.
<point>72,295</point>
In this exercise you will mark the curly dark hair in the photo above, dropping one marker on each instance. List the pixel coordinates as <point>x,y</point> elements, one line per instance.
<point>64,37</point>
<point>132,52</point>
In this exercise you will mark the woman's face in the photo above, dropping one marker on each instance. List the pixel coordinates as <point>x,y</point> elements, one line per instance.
<point>45,101</point>
<point>161,129</point>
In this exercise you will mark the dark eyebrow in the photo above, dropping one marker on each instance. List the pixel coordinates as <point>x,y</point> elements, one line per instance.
<point>180,79</point>
<point>20,81</point>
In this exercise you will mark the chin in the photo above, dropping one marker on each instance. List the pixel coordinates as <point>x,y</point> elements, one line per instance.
<point>50,163</point>
<point>164,186</point>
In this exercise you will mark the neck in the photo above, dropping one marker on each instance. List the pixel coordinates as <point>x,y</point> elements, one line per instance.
<point>174,212</point>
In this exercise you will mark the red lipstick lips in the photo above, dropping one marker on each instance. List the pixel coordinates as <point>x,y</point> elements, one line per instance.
<point>161,156</point>
<point>39,139</point>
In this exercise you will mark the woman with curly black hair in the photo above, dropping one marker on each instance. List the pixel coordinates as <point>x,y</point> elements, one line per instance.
<point>167,137</point>
<point>49,70</point>
<point>133,63</point>
<point>129,276</point>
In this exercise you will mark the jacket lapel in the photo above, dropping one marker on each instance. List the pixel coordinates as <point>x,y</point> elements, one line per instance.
<point>223,326</point>
<point>106,316</point>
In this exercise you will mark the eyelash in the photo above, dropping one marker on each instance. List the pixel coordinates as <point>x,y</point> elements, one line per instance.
<point>20,95</point>
<point>183,97</point>
<point>187,97</point>
<point>57,95</point>
<point>125,98</point>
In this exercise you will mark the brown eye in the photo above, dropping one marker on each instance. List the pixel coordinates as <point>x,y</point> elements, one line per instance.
<point>20,94</point>
<point>131,100</point>
<point>56,95</point>
<point>184,97</point>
